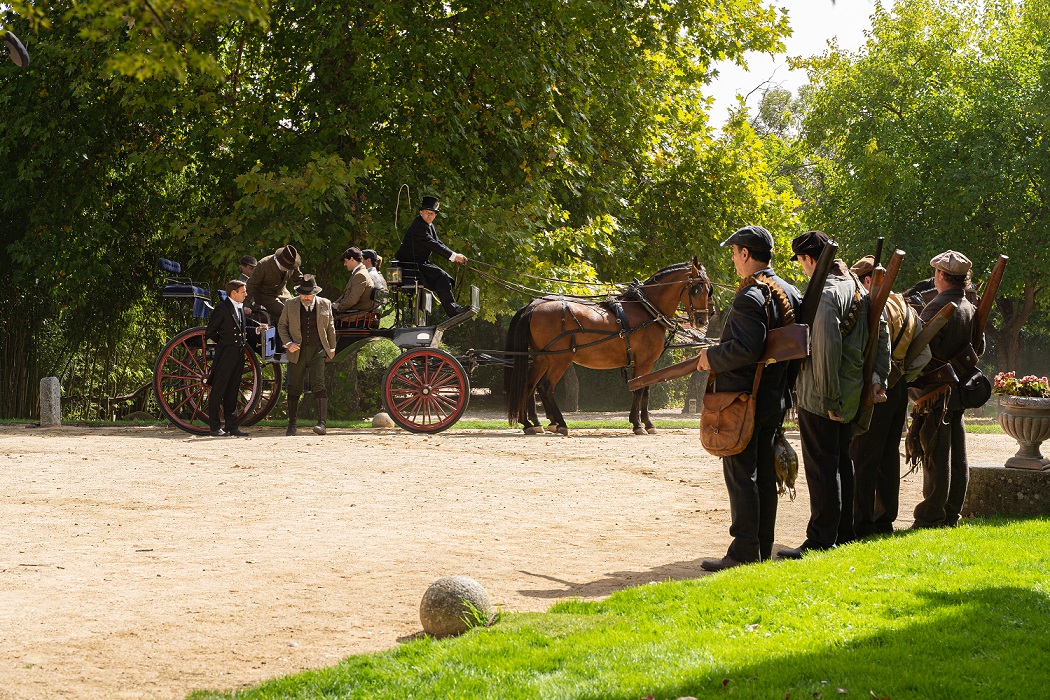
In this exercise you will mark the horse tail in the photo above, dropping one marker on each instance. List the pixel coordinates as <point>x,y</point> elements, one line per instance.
<point>516,375</point>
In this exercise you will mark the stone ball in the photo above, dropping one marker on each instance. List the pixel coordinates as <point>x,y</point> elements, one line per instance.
<point>382,420</point>
<point>444,610</point>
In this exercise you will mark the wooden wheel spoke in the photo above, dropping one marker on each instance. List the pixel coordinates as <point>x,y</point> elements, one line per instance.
<point>192,370</point>
<point>202,360</point>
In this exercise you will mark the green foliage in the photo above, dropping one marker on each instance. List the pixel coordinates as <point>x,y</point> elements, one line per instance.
<point>972,603</point>
<point>934,135</point>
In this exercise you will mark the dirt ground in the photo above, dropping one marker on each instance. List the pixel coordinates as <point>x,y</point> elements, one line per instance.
<point>143,562</point>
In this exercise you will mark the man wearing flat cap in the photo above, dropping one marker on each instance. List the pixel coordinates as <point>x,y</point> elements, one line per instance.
<point>247,265</point>
<point>829,388</point>
<point>268,284</point>
<point>876,452</point>
<point>420,241</point>
<point>937,436</point>
<point>763,301</point>
<point>307,329</point>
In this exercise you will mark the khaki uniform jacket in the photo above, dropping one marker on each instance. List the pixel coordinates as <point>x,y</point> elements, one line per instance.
<point>358,293</point>
<point>268,281</point>
<point>291,332</point>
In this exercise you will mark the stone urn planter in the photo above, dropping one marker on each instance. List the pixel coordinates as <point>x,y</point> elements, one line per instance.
<point>1027,420</point>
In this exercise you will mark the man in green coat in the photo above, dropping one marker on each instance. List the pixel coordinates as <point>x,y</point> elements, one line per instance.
<point>829,387</point>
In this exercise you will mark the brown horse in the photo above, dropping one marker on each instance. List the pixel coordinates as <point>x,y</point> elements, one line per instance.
<point>558,331</point>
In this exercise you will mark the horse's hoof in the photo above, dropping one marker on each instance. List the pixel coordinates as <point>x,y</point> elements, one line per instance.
<point>552,428</point>
<point>534,430</point>
<point>650,429</point>
<point>640,431</point>
<point>563,430</point>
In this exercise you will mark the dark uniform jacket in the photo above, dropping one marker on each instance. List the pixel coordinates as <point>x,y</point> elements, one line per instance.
<point>420,241</point>
<point>953,338</point>
<point>223,328</point>
<point>735,358</point>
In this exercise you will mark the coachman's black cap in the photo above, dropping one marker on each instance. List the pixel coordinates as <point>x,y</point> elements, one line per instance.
<point>753,237</point>
<point>249,261</point>
<point>810,243</point>
<point>430,204</point>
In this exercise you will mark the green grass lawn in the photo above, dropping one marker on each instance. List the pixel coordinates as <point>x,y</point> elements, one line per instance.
<point>960,613</point>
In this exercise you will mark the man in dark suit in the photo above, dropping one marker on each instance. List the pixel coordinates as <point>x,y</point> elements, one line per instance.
<point>227,328</point>
<point>763,302</point>
<point>420,241</point>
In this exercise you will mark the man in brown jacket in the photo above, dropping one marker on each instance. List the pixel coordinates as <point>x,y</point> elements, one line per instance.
<point>358,293</point>
<point>937,436</point>
<point>268,285</point>
<point>307,329</point>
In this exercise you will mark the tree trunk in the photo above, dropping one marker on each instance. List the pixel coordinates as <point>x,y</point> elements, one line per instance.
<point>1015,312</point>
<point>694,395</point>
<point>572,389</point>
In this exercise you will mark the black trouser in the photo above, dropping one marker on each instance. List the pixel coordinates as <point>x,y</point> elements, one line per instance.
<point>944,479</point>
<point>876,459</point>
<point>829,475</point>
<point>439,282</point>
<point>227,368</point>
<point>752,483</point>
<point>311,360</point>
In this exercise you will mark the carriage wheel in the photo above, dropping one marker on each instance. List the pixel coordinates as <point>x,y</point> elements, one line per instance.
<point>178,381</point>
<point>426,390</point>
<point>269,392</point>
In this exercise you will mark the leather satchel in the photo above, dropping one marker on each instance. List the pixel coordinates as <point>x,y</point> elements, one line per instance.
<point>727,419</point>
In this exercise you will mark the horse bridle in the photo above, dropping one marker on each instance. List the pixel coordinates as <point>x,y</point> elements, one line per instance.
<point>695,286</point>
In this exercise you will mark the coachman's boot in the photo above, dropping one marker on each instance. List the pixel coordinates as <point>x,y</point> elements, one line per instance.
<point>322,417</point>
<point>293,409</point>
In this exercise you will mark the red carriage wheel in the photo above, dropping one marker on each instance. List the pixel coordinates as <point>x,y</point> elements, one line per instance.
<point>178,381</point>
<point>269,392</point>
<point>426,390</point>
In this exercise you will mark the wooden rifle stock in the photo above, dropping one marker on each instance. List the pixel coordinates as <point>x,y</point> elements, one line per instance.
<point>929,331</point>
<point>881,286</point>
<point>984,309</point>
<point>790,342</point>
<point>807,310</point>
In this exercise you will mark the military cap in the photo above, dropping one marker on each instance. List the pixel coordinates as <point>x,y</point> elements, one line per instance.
<point>754,237</point>
<point>951,262</point>
<point>288,256</point>
<point>810,243</point>
<point>430,204</point>
<point>249,261</point>
<point>864,266</point>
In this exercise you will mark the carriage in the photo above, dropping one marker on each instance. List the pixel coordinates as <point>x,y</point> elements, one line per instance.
<point>425,389</point>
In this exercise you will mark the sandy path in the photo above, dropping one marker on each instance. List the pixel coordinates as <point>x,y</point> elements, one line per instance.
<point>142,562</point>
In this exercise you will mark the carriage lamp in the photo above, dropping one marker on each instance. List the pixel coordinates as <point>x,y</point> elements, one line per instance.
<point>393,275</point>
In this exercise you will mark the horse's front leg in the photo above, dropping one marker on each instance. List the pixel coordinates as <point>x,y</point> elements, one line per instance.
<point>646,421</point>
<point>636,411</point>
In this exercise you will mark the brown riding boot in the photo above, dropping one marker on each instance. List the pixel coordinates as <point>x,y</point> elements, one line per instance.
<point>293,410</point>
<point>322,417</point>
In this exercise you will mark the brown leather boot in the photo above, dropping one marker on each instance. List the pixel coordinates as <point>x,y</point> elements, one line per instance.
<point>322,417</point>
<point>293,410</point>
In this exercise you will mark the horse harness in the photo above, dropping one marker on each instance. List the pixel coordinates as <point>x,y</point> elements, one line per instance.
<point>632,294</point>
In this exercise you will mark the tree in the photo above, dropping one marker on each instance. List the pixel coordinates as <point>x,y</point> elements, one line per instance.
<point>934,135</point>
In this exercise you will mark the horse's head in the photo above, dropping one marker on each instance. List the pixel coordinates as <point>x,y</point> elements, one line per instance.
<point>700,301</point>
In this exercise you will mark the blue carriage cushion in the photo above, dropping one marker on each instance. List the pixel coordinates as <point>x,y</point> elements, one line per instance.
<point>201,308</point>
<point>185,291</point>
<point>169,266</point>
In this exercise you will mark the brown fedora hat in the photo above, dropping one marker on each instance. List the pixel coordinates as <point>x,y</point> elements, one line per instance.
<point>288,256</point>
<point>308,287</point>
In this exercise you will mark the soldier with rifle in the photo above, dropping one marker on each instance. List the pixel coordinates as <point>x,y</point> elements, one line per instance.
<point>829,389</point>
<point>876,451</point>
<point>763,302</point>
<point>949,384</point>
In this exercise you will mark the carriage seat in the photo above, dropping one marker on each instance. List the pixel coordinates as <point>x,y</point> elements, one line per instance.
<point>364,318</point>
<point>176,287</point>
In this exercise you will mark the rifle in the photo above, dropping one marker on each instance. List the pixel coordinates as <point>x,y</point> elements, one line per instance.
<point>922,339</point>
<point>881,285</point>
<point>984,309</point>
<point>807,310</point>
<point>878,251</point>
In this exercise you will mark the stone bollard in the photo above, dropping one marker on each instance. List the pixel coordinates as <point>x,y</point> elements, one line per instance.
<point>50,402</point>
<point>383,420</point>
